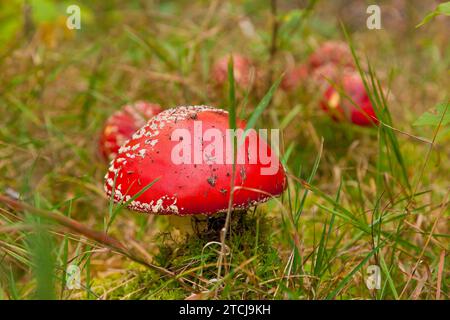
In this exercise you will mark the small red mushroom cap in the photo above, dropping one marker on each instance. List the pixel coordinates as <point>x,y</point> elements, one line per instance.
<point>328,74</point>
<point>294,77</point>
<point>242,68</point>
<point>336,52</point>
<point>121,125</point>
<point>340,107</point>
<point>191,187</point>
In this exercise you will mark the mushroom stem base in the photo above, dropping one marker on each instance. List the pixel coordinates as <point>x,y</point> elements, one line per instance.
<point>204,227</point>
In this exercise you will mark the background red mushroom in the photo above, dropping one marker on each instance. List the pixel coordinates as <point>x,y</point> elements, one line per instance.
<point>327,61</point>
<point>294,77</point>
<point>336,52</point>
<point>242,68</point>
<point>121,125</point>
<point>355,106</point>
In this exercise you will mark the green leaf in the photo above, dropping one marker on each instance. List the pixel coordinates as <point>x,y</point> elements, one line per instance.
<point>10,26</point>
<point>442,9</point>
<point>434,116</point>
<point>290,21</point>
<point>232,124</point>
<point>44,10</point>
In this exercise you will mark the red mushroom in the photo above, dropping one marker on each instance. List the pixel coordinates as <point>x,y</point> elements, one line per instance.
<point>336,52</point>
<point>326,62</point>
<point>358,110</point>
<point>294,77</point>
<point>329,73</point>
<point>121,125</point>
<point>242,68</point>
<point>181,147</point>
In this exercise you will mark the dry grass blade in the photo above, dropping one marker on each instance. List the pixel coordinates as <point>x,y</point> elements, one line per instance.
<point>419,259</point>
<point>71,224</point>
<point>439,277</point>
<point>99,237</point>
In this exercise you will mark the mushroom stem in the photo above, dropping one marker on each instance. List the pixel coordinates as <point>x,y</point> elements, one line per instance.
<point>203,226</point>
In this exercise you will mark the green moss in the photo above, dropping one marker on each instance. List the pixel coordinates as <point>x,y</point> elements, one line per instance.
<point>137,283</point>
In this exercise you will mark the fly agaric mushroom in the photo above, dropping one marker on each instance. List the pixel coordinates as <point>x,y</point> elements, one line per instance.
<point>325,62</point>
<point>294,77</point>
<point>242,69</point>
<point>121,125</point>
<point>336,52</point>
<point>323,75</point>
<point>184,149</point>
<point>355,106</point>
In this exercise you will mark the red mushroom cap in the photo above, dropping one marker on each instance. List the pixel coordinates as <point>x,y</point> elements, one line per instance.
<point>327,74</point>
<point>341,107</point>
<point>294,77</point>
<point>192,186</point>
<point>336,52</point>
<point>121,125</point>
<point>331,103</point>
<point>242,67</point>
